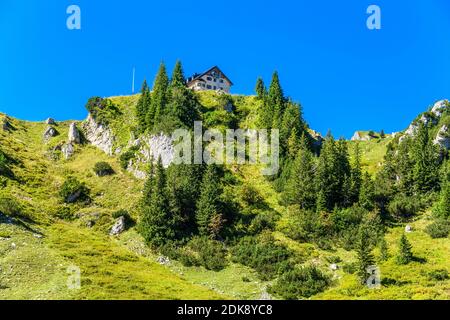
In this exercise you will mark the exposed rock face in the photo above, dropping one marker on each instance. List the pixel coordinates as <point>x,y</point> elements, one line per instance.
<point>68,150</point>
<point>151,147</point>
<point>358,136</point>
<point>439,107</point>
<point>74,134</point>
<point>118,227</point>
<point>317,139</point>
<point>72,198</point>
<point>50,121</point>
<point>50,132</point>
<point>443,138</point>
<point>99,135</point>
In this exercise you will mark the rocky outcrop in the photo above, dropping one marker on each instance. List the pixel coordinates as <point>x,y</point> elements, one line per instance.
<point>50,121</point>
<point>68,150</point>
<point>443,138</point>
<point>118,227</point>
<point>74,134</point>
<point>6,125</point>
<point>439,107</point>
<point>50,132</point>
<point>99,135</point>
<point>359,136</point>
<point>151,147</point>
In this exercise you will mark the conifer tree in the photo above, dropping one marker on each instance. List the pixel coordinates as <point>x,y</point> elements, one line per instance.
<point>209,205</point>
<point>364,255</point>
<point>425,171</point>
<point>156,224</point>
<point>178,79</point>
<point>183,105</point>
<point>405,255</point>
<point>443,206</point>
<point>260,89</point>
<point>159,96</point>
<point>143,106</point>
<point>384,251</point>
<point>276,101</point>
<point>356,176</point>
<point>292,123</point>
<point>324,178</point>
<point>367,193</point>
<point>300,188</point>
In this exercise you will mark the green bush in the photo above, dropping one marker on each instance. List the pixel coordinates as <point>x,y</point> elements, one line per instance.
<point>127,156</point>
<point>9,206</point>
<point>438,275</point>
<point>102,169</point>
<point>404,207</point>
<point>211,254</point>
<point>438,229</point>
<point>102,110</point>
<point>350,268</point>
<point>250,196</point>
<point>3,164</point>
<point>74,191</point>
<point>300,283</point>
<point>263,254</point>
<point>64,212</point>
<point>263,221</point>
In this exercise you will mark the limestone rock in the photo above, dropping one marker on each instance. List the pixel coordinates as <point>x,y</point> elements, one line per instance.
<point>68,150</point>
<point>6,126</point>
<point>118,227</point>
<point>99,135</point>
<point>50,132</point>
<point>50,121</point>
<point>163,260</point>
<point>408,229</point>
<point>439,107</point>
<point>74,134</point>
<point>334,266</point>
<point>443,138</point>
<point>72,198</point>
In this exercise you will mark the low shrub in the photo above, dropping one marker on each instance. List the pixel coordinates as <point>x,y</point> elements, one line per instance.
<point>102,110</point>
<point>74,191</point>
<point>250,196</point>
<point>403,207</point>
<point>301,282</point>
<point>102,169</point>
<point>210,254</point>
<point>127,156</point>
<point>9,206</point>
<point>438,229</point>
<point>438,275</point>
<point>263,254</point>
<point>263,221</point>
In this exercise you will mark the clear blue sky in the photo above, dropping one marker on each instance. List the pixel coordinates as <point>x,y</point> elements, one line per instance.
<point>346,77</point>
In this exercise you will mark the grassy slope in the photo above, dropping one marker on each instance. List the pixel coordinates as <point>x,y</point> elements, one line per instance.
<point>123,267</point>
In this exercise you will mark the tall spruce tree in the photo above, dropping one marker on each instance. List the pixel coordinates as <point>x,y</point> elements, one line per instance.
<point>356,176</point>
<point>442,209</point>
<point>143,106</point>
<point>209,205</point>
<point>425,171</point>
<point>300,188</point>
<point>178,79</point>
<point>405,254</point>
<point>183,105</point>
<point>367,193</point>
<point>292,123</point>
<point>159,96</point>
<point>156,223</point>
<point>364,255</point>
<point>260,89</point>
<point>276,100</point>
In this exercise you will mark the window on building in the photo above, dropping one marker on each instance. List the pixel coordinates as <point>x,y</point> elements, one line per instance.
<point>221,80</point>
<point>215,87</point>
<point>209,78</point>
<point>208,86</point>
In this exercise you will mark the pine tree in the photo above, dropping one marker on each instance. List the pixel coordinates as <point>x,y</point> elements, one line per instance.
<point>382,134</point>
<point>384,251</point>
<point>260,89</point>
<point>276,101</point>
<point>367,193</point>
<point>425,171</point>
<point>356,176</point>
<point>292,123</point>
<point>209,205</point>
<point>178,79</point>
<point>364,255</point>
<point>324,178</point>
<point>143,107</point>
<point>300,188</point>
<point>443,206</point>
<point>405,255</point>
<point>159,96</point>
<point>156,224</point>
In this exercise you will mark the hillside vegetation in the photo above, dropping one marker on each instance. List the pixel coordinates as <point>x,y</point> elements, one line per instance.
<point>219,232</point>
